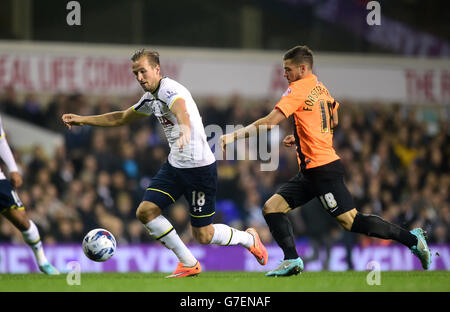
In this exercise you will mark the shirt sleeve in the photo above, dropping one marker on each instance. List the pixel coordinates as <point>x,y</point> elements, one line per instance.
<point>169,95</point>
<point>5,152</point>
<point>143,107</point>
<point>288,103</point>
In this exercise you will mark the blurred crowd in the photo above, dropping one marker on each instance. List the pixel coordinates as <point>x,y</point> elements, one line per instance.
<point>395,156</point>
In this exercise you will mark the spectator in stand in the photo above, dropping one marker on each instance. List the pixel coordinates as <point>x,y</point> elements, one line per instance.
<point>10,105</point>
<point>33,111</point>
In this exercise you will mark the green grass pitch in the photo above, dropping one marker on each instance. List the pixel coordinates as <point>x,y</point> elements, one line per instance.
<point>408,281</point>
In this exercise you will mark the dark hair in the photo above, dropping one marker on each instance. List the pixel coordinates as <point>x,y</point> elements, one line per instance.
<point>152,56</point>
<point>300,55</point>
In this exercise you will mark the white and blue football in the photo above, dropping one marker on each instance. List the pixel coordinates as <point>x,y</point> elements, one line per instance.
<point>99,245</point>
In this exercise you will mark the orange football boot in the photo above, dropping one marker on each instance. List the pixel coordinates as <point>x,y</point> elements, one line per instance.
<point>184,271</point>
<point>258,249</point>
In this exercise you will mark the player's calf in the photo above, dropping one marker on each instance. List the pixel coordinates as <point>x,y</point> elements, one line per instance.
<point>374,226</point>
<point>224,235</point>
<point>203,234</point>
<point>163,231</point>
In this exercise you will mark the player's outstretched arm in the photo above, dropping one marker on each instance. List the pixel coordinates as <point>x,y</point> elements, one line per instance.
<point>112,119</point>
<point>269,121</point>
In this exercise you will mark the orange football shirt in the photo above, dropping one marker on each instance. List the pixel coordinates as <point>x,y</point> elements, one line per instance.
<point>312,106</point>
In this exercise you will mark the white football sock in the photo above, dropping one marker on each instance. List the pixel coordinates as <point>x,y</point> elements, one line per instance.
<point>162,230</point>
<point>225,235</point>
<point>32,238</point>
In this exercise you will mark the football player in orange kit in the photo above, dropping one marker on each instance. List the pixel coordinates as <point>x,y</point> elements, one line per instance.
<point>321,172</point>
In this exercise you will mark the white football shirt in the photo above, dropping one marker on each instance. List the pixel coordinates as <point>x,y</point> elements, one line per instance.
<point>6,154</point>
<point>197,153</point>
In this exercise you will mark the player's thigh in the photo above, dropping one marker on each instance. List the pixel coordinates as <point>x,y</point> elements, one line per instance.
<point>292,194</point>
<point>200,193</point>
<point>336,199</point>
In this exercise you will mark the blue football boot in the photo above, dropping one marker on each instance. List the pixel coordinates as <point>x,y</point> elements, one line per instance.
<point>287,268</point>
<point>48,269</point>
<point>421,250</point>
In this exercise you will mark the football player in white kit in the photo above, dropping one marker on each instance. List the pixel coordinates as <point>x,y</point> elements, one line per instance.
<point>190,169</point>
<point>12,208</point>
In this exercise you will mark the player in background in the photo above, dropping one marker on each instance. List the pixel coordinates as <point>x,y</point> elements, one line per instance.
<point>12,208</point>
<point>190,169</point>
<point>321,172</point>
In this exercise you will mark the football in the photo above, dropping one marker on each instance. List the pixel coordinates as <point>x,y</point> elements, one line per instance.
<point>99,245</point>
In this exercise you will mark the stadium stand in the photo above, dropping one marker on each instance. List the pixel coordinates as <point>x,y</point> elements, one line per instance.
<point>396,159</point>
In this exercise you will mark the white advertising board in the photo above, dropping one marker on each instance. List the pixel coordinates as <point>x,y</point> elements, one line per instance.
<point>98,69</point>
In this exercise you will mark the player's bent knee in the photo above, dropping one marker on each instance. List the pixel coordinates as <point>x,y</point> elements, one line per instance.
<point>23,225</point>
<point>18,218</point>
<point>345,225</point>
<point>267,209</point>
<point>275,204</point>
<point>203,234</point>
<point>147,211</point>
<point>346,219</point>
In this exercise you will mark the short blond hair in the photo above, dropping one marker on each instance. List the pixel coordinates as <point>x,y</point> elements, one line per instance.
<point>152,56</point>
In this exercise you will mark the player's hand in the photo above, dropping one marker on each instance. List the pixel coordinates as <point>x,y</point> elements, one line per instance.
<point>184,138</point>
<point>226,139</point>
<point>72,120</point>
<point>16,179</point>
<point>289,140</point>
